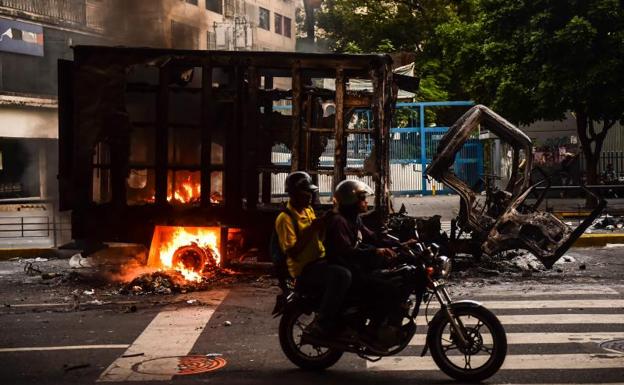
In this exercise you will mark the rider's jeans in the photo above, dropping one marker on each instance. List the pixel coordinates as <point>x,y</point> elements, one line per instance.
<point>333,281</point>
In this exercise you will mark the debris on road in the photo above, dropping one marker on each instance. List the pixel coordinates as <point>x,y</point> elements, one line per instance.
<point>227,323</point>
<point>77,261</point>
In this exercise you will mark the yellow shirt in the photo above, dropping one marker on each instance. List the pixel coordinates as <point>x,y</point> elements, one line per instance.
<point>287,238</point>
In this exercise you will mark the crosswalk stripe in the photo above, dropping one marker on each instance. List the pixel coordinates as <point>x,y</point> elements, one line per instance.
<point>65,347</point>
<point>171,333</point>
<point>559,319</point>
<point>494,291</point>
<point>512,362</point>
<point>545,338</point>
<point>550,304</point>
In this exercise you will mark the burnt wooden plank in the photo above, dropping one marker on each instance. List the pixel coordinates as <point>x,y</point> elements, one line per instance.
<point>251,133</point>
<point>266,142</point>
<point>296,118</point>
<point>162,135</point>
<point>340,154</point>
<point>207,120</point>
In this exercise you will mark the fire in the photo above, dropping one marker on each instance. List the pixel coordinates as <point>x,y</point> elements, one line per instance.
<point>186,191</point>
<point>188,250</point>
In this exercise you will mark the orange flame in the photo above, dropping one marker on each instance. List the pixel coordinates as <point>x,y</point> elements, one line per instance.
<point>168,239</point>
<point>186,191</point>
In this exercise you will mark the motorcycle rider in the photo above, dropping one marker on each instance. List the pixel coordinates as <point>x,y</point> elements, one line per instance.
<point>305,253</point>
<point>351,244</point>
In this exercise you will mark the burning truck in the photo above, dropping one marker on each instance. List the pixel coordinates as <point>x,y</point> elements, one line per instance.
<point>186,151</point>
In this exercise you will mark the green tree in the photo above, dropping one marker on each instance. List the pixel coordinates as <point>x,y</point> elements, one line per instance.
<point>533,60</point>
<point>358,26</point>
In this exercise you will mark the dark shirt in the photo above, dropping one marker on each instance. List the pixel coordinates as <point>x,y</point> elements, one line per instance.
<point>351,244</point>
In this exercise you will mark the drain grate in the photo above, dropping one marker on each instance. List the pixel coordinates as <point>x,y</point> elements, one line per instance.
<point>616,346</point>
<point>180,365</point>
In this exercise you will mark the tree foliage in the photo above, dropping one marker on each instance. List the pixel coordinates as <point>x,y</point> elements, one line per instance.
<point>533,60</point>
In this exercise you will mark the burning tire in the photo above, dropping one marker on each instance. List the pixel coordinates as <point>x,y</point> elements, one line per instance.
<point>194,258</point>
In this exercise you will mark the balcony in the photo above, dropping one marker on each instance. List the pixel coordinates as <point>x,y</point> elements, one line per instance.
<point>67,11</point>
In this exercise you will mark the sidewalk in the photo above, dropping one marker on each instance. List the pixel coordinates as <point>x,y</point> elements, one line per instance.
<point>447,206</point>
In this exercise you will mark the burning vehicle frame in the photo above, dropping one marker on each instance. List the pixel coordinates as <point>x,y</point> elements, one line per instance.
<point>502,220</point>
<point>154,139</point>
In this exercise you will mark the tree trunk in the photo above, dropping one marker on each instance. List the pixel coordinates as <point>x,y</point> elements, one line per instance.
<point>309,21</point>
<point>587,136</point>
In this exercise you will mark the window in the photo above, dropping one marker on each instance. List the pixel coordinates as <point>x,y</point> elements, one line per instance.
<point>278,23</point>
<point>215,6</point>
<point>264,19</point>
<point>194,2</point>
<point>287,27</point>
<point>184,36</point>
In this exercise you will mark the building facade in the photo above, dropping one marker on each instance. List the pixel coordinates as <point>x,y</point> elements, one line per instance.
<point>35,34</point>
<point>241,25</point>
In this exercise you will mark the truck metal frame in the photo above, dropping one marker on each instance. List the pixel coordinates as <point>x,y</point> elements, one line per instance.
<point>123,113</point>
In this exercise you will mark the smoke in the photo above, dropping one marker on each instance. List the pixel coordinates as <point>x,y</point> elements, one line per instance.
<point>149,23</point>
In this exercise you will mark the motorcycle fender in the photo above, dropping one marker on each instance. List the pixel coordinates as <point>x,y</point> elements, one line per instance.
<point>464,303</point>
<point>454,305</point>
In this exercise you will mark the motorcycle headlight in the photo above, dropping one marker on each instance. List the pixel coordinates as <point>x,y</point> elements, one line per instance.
<point>444,266</point>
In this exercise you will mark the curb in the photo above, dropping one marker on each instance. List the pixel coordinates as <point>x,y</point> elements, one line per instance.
<point>593,240</point>
<point>6,254</point>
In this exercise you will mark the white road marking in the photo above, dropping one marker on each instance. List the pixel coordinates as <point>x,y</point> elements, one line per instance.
<point>545,338</point>
<point>560,319</point>
<point>500,291</point>
<point>512,362</point>
<point>550,304</point>
<point>172,332</point>
<point>69,347</point>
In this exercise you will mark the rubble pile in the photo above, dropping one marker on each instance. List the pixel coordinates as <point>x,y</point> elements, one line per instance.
<point>608,222</point>
<point>173,282</point>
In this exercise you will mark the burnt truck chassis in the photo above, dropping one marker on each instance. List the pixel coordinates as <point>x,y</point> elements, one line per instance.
<point>233,109</point>
<point>503,221</point>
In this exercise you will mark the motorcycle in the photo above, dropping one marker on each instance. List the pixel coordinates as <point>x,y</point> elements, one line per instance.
<point>466,340</point>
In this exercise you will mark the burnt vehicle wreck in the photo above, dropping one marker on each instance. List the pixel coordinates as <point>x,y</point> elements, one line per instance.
<point>156,141</point>
<point>501,220</point>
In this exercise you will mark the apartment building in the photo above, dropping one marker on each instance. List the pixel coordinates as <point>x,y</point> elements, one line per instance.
<point>200,24</point>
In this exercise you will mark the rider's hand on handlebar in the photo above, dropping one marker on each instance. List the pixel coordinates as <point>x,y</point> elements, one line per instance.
<point>386,253</point>
<point>410,243</point>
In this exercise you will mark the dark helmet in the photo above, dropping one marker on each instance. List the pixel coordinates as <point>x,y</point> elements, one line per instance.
<point>349,192</point>
<point>299,181</point>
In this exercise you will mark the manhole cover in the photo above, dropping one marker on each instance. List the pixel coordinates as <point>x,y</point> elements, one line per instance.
<point>180,365</point>
<point>616,346</point>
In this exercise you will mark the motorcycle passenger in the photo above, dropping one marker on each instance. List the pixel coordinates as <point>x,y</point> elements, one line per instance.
<point>305,253</point>
<point>351,244</point>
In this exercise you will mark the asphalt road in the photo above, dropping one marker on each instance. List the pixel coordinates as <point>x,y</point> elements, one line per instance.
<point>554,329</point>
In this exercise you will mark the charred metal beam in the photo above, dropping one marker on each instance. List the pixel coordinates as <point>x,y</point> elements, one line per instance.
<point>296,117</point>
<point>340,154</point>
<point>207,124</point>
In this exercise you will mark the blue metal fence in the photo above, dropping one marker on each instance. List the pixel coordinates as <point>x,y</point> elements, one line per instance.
<point>416,144</point>
<point>412,147</point>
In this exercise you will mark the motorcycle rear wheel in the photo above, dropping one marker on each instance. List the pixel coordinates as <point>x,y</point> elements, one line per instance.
<point>487,344</point>
<point>304,356</point>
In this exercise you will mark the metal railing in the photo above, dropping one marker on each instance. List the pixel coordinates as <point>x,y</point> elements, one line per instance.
<point>73,11</point>
<point>49,224</point>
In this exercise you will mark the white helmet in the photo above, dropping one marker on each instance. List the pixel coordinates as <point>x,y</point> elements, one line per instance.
<point>349,192</point>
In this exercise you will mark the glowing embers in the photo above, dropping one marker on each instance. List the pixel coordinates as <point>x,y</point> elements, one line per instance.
<point>191,251</point>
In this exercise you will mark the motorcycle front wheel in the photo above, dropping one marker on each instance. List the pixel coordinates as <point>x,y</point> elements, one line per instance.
<point>486,349</point>
<point>305,356</point>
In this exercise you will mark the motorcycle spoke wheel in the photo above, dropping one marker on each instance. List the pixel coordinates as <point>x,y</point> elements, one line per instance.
<point>481,356</point>
<point>311,351</point>
<point>480,344</point>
